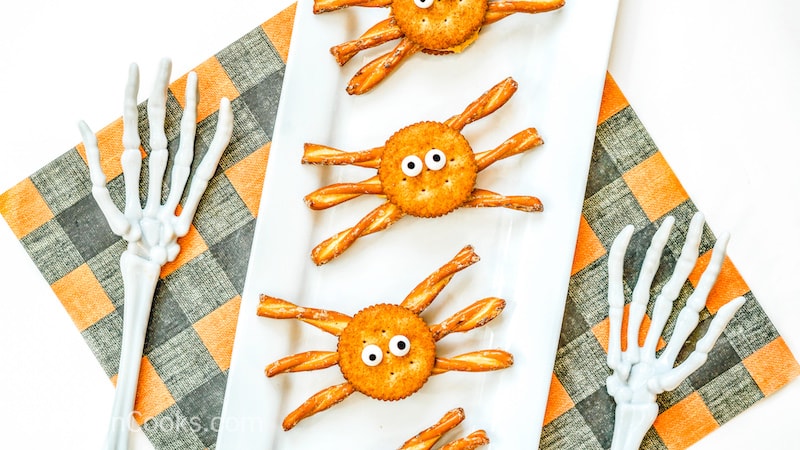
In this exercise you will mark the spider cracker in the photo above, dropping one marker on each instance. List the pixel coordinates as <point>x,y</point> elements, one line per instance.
<point>427,169</point>
<point>436,27</point>
<point>387,351</point>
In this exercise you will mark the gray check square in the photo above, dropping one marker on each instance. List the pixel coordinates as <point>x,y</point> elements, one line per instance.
<point>263,98</point>
<point>221,212</point>
<point>567,432</point>
<point>602,170</point>
<point>204,405</point>
<point>730,393</point>
<point>86,226</point>
<point>63,182</point>
<point>750,329</point>
<point>573,324</point>
<point>721,358</point>
<point>233,254</point>
<point>250,59</point>
<point>52,251</point>
<point>104,339</point>
<point>248,135</point>
<point>611,209</point>
<point>199,287</point>
<point>173,430</point>
<point>105,267</point>
<point>183,363</point>
<point>581,366</point>
<point>598,412</point>
<point>589,290</point>
<point>625,139</point>
<point>166,320</point>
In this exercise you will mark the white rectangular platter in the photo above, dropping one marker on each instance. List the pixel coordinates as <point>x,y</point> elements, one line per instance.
<point>559,60</point>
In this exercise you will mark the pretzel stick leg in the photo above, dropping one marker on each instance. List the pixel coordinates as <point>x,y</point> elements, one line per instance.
<point>301,362</point>
<point>378,219</point>
<point>486,104</point>
<point>471,442</point>
<point>329,321</point>
<point>318,402</point>
<point>476,315</point>
<point>480,361</point>
<point>427,438</point>
<point>501,9</point>
<point>321,6</point>
<point>483,198</point>
<point>378,69</point>
<point>321,154</point>
<point>384,31</point>
<point>520,142</point>
<point>425,292</point>
<point>335,194</point>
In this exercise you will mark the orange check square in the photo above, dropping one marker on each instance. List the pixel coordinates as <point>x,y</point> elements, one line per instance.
<point>655,186</point>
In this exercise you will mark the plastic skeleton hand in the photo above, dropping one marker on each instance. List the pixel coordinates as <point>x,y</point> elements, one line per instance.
<point>638,374</point>
<point>151,232</point>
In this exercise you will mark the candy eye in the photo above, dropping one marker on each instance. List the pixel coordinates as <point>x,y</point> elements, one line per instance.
<point>423,3</point>
<point>434,159</point>
<point>412,165</point>
<point>372,355</point>
<point>399,345</point>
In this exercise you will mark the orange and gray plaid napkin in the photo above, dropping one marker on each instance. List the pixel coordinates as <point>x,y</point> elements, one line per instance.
<point>193,321</point>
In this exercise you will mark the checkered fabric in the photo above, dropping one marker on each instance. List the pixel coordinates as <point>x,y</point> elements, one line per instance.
<point>190,335</point>
<point>630,182</point>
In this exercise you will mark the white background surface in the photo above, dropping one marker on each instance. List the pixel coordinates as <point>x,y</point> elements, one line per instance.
<point>717,85</point>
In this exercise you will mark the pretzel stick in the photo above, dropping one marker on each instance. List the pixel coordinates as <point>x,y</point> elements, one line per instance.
<point>321,6</point>
<point>335,194</point>
<point>425,292</point>
<point>321,154</point>
<point>313,360</point>
<point>428,437</point>
<point>330,321</point>
<point>384,31</point>
<point>378,219</point>
<point>473,316</point>
<point>479,361</point>
<point>378,69</point>
<point>471,442</point>
<point>520,142</point>
<point>501,9</point>
<point>483,198</point>
<point>318,402</point>
<point>486,104</point>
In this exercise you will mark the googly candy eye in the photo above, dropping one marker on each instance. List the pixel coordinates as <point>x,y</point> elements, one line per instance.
<point>372,355</point>
<point>425,4</point>
<point>412,165</point>
<point>399,345</point>
<point>435,159</point>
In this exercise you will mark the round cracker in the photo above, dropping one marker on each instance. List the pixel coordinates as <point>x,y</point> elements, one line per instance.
<point>432,193</point>
<point>396,377</point>
<point>443,25</point>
